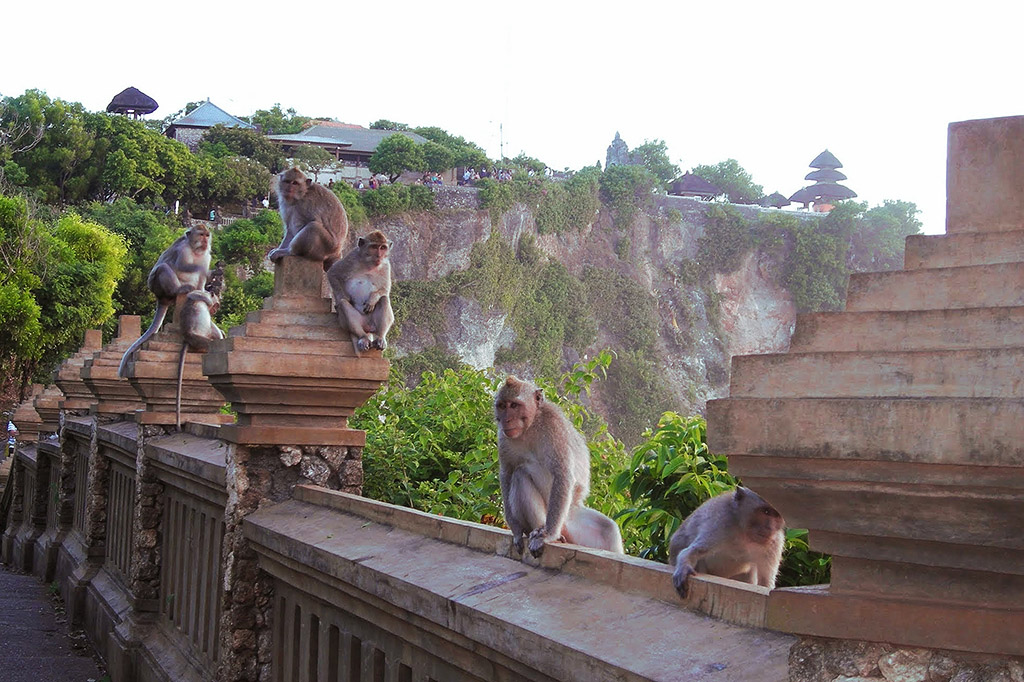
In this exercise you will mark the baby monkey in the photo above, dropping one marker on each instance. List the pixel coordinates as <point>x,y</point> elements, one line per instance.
<point>197,325</point>
<point>361,283</point>
<point>734,535</point>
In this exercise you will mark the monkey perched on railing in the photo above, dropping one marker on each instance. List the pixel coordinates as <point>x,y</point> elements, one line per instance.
<point>361,283</point>
<point>545,474</point>
<point>181,268</point>
<point>735,535</point>
<point>315,222</point>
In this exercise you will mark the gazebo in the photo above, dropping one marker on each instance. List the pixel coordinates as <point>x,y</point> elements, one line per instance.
<point>690,185</point>
<point>775,200</point>
<point>132,102</point>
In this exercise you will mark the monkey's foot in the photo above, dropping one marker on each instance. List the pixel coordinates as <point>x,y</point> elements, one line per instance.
<point>277,254</point>
<point>380,343</point>
<point>363,344</point>
<point>517,542</point>
<point>537,539</point>
<point>679,580</point>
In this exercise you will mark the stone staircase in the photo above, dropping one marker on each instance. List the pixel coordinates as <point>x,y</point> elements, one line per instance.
<point>894,431</point>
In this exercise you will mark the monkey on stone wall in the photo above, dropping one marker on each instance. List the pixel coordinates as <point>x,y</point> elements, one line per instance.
<point>361,283</point>
<point>315,222</point>
<point>545,474</point>
<point>734,535</point>
<point>181,268</point>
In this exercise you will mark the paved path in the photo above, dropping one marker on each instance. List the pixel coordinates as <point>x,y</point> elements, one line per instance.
<point>34,642</point>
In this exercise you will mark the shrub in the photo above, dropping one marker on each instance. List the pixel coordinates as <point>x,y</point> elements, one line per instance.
<point>627,190</point>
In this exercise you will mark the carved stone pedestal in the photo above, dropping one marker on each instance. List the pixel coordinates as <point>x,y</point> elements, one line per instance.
<point>115,396</point>
<point>77,396</point>
<point>154,376</point>
<point>290,372</point>
<point>47,404</point>
<point>26,418</point>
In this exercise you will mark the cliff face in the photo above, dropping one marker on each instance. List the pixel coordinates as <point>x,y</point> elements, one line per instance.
<point>699,326</point>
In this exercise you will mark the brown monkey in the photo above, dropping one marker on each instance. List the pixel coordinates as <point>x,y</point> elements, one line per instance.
<point>181,268</point>
<point>545,473</point>
<point>361,282</point>
<point>315,222</point>
<point>197,325</point>
<point>734,535</point>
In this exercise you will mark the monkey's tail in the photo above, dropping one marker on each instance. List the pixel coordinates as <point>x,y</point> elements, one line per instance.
<point>158,319</point>
<point>181,376</point>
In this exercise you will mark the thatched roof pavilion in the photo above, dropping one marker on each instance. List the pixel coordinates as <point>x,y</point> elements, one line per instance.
<point>132,102</point>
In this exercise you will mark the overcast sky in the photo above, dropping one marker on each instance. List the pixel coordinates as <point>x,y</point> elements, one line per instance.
<point>770,84</point>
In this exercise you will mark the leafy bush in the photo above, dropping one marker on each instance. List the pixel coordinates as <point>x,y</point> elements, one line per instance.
<point>727,238</point>
<point>627,190</point>
<point>398,198</point>
<point>352,201</point>
<point>248,241</point>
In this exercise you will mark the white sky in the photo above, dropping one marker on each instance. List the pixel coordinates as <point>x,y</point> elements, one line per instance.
<point>770,84</point>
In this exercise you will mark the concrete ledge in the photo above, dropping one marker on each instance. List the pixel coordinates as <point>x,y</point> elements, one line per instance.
<point>725,599</point>
<point>558,622</point>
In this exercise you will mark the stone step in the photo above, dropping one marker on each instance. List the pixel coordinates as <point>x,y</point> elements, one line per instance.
<point>907,330</point>
<point>966,248</point>
<point>976,431</point>
<point>277,331</point>
<point>302,318</point>
<point>993,373</point>
<point>256,344</point>
<point>976,286</point>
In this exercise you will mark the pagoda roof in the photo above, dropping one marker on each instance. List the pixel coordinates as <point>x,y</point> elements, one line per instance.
<point>826,175</point>
<point>207,115</point>
<point>831,190</point>
<point>132,101</point>
<point>693,184</point>
<point>825,160</point>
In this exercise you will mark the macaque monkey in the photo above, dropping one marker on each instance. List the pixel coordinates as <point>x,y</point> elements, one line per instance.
<point>734,535</point>
<point>315,223</point>
<point>361,282</point>
<point>181,268</point>
<point>197,326</point>
<point>545,474</point>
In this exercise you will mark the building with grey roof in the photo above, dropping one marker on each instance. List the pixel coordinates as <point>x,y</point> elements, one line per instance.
<point>349,144</point>
<point>190,128</point>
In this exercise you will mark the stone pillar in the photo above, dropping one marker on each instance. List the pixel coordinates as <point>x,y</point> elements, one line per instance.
<point>984,167</point>
<point>47,405</point>
<point>154,375</point>
<point>26,418</point>
<point>77,396</point>
<point>115,397</point>
<point>293,377</point>
<point>15,515</point>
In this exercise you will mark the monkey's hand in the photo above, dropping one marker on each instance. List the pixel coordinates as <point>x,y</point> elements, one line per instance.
<point>683,572</point>
<point>537,539</point>
<point>370,304</point>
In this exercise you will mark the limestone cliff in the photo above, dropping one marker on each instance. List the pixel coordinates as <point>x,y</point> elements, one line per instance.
<point>701,322</point>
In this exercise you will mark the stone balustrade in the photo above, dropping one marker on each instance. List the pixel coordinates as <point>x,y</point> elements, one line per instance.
<point>243,551</point>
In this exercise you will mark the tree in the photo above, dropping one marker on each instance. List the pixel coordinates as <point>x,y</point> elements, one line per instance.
<point>528,163</point>
<point>384,124</point>
<point>312,158</point>
<point>437,158</point>
<point>878,242</point>
<point>248,241</point>
<point>466,154</point>
<point>396,154</point>
<point>653,155</point>
<point>734,182</point>
<point>246,142</point>
<point>180,113</point>
<point>58,282</point>
<point>274,121</point>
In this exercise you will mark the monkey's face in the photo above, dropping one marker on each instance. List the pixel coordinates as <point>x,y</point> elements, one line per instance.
<point>291,186</point>
<point>764,523</point>
<point>376,253</point>
<point>199,239</point>
<point>515,411</point>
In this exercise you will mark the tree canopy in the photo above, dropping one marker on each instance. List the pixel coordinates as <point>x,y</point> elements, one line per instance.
<point>395,155</point>
<point>653,155</point>
<point>221,140</point>
<point>274,121</point>
<point>734,182</point>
